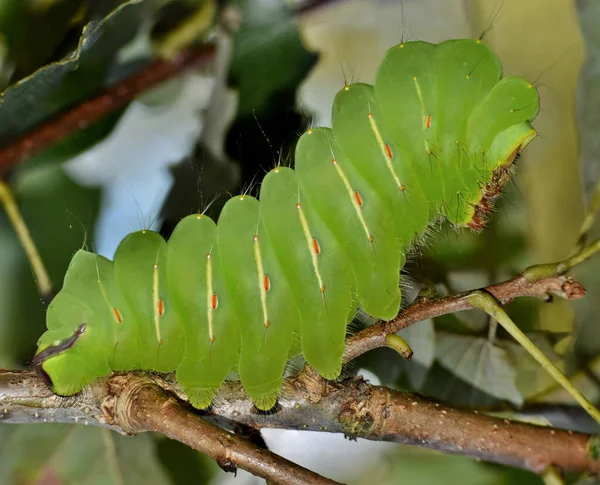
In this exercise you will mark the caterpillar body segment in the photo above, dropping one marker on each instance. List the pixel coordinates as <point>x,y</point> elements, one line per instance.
<point>203,301</point>
<point>380,159</point>
<point>435,135</point>
<point>358,218</point>
<point>405,91</point>
<point>262,299</point>
<point>142,278</point>
<point>318,273</point>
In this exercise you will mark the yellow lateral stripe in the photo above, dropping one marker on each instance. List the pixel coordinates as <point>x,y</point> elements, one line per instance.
<point>111,308</point>
<point>209,296</point>
<point>155,303</point>
<point>350,194</point>
<point>423,114</point>
<point>381,143</point>
<point>261,277</point>
<point>309,238</point>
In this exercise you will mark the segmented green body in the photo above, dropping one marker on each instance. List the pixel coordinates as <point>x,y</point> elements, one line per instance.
<point>424,141</point>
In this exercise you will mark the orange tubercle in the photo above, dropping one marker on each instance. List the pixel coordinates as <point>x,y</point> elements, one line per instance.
<point>316,247</point>
<point>358,199</point>
<point>388,151</point>
<point>117,315</point>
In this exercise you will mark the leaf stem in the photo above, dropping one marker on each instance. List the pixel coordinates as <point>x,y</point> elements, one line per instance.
<point>486,302</point>
<point>42,279</point>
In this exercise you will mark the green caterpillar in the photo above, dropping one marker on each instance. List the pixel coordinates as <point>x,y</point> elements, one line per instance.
<point>434,136</point>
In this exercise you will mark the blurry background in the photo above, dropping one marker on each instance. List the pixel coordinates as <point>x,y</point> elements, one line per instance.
<point>210,132</point>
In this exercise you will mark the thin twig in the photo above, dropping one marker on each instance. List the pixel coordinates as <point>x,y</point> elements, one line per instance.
<point>42,279</point>
<point>94,109</point>
<point>539,281</point>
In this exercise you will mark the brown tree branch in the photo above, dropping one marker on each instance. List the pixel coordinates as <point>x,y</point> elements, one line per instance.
<point>107,101</point>
<point>358,409</point>
<point>145,406</point>
<point>134,402</point>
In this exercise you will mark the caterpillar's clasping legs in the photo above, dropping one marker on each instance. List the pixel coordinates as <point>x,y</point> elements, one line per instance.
<point>42,279</point>
<point>486,302</point>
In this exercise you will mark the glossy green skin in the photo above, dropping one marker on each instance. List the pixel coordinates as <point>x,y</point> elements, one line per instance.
<point>331,235</point>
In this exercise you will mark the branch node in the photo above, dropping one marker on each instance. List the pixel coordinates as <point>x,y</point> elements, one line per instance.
<point>227,465</point>
<point>121,406</point>
<point>572,289</point>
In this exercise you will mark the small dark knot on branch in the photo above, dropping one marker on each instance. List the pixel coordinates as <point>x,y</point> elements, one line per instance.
<point>227,466</point>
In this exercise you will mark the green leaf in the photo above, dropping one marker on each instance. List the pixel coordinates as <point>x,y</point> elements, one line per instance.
<point>416,466</point>
<point>269,58</point>
<point>32,31</point>
<point>75,455</point>
<point>53,87</point>
<point>448,387</point>
<point>531,377</point>
<point>480,363</point>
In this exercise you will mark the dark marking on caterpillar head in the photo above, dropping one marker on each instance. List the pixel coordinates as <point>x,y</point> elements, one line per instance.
<point>53,350</point>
